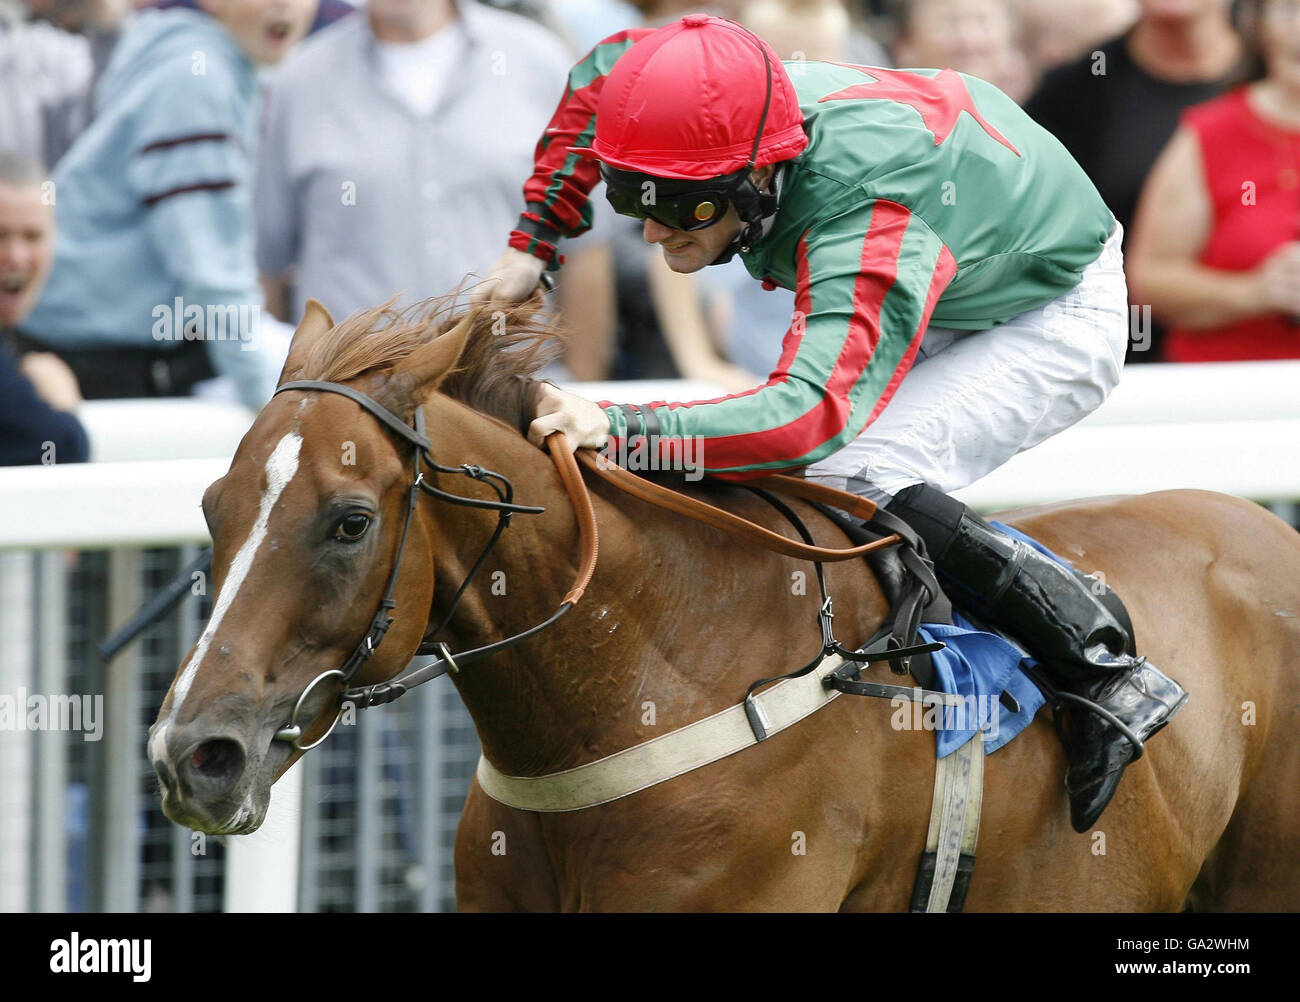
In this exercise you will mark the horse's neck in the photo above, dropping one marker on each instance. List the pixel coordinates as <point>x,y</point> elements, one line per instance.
<point>569,691</point>
<point>521,583</point>
<point>673,626</point>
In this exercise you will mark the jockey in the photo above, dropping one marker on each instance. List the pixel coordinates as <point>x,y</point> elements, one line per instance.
<point>959,295</point>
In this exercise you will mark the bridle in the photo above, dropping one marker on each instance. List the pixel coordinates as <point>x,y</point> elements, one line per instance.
<point>504,506</point>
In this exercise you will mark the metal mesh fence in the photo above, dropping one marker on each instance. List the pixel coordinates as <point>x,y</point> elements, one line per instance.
<point>381,802</point>
<point>174,871</point>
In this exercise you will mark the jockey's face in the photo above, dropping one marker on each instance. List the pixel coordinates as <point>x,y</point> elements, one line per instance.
<point>687,252</point>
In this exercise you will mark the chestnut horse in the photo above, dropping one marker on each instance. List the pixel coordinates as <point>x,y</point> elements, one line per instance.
<point>677,621</point>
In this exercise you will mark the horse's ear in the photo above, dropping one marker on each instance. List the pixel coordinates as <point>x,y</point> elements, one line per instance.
<point>422,371</point>
<point>316,322</point>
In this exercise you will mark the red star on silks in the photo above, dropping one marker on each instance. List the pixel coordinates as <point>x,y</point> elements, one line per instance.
<point>938,100</point>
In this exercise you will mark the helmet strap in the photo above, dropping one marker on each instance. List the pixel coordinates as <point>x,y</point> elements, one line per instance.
<point>754,207</point>
<point>757,210</point>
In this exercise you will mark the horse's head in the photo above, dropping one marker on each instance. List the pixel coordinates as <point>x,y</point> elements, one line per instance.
<point>305,529</point>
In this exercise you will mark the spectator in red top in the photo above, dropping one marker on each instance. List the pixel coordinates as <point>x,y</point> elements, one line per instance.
<point>1116,107</point>
<point>1216,243</point>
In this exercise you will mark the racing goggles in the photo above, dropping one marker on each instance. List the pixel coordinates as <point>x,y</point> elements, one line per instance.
<point>679,205</point>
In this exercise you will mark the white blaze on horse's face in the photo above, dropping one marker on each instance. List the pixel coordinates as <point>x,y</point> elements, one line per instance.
<point>280,469</point>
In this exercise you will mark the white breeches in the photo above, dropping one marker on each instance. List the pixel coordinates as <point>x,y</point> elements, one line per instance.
<point>974,399</point>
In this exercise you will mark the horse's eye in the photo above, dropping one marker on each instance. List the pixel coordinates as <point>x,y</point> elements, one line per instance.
<point>351,528</point>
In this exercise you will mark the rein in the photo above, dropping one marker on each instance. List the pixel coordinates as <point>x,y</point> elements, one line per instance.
<point>567,468</point>
<point>701,511</point>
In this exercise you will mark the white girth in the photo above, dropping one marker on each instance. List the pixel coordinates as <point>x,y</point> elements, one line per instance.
<point>958,791</point>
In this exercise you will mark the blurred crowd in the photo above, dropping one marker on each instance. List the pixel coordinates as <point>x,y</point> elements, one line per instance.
<point>177,179</point>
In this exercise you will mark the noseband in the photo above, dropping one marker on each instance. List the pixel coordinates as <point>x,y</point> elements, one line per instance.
<point>504,506</point>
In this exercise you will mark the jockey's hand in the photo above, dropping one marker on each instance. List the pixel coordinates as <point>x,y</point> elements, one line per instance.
<point>583,422</point>
<point>512,279</point>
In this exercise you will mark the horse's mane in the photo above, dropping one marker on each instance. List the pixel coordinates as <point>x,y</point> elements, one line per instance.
<point>506,347</point>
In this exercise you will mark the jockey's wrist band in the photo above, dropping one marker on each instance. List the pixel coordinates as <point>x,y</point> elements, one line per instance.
<point>538,226</point>
<point>540,249</point>
<point>651,420</point>
<point>632,411</point>
<point>536,235</point>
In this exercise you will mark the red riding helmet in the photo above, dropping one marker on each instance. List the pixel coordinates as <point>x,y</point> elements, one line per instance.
<point>688,102</point>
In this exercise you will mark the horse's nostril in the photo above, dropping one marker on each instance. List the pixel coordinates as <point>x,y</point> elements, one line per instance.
<point>216,758</point>
<point>211,767</point>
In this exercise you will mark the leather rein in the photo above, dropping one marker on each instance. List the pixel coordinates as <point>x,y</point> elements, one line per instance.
<point>567,468</point>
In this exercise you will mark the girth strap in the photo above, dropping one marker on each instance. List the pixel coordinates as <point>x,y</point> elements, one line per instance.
<point>948,863</point>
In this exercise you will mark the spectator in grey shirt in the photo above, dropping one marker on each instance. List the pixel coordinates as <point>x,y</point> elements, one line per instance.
<point>45,78</point>
<point>47,71</point>
<point>394,143</point>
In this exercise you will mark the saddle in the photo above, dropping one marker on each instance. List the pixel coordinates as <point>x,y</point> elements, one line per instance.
<point>906,577</point>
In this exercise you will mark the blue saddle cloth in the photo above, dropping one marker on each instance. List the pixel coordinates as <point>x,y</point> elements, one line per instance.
<point>978,667</point>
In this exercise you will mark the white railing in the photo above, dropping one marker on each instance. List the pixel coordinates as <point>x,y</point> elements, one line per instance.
<point>1226,427</point>
<point>1232,428</point>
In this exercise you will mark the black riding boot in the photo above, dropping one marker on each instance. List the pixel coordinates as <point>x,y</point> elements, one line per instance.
<point>1076,639</point>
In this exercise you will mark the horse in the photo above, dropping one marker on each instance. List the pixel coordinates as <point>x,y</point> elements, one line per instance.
<point>830,814</point>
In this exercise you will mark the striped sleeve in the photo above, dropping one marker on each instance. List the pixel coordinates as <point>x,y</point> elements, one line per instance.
<point>193,184</point>
<point>868,280</point>
<point>556,193</point>
<point>190,171</point>
<point>188,138</point>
